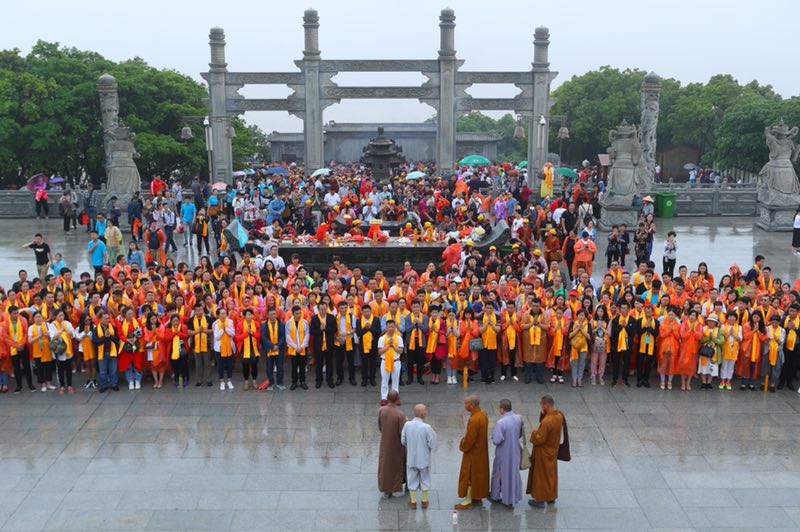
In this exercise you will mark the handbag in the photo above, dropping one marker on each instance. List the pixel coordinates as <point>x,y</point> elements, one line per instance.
<point>475,344</point>
<point>524,456</point>
<point>563,448</point>
<point>707,350</point>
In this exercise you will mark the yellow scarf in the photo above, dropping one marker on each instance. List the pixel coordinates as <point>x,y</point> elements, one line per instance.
<point>366,324</point>
<point>535,333</point>
<point>730,347</point>
<point>390,352</point>
<point>558,337</point>
<point>452,339</point>
<point>67,340</point>
<point>42,350</point>
<point>101,349</point>
<point>578,342</point>
<point>348,330</point>
<point>126,328</point>
<point>175,353</point>
<point>791,334</point>
<point>297,333</point>
<point>225,341</point>
<point>755,347</point>
<point>17,335</point>
<point>272,328</point>
<point>249,345</point>
<point>200,340</point>
<point>416,334</point>
<point>511,332</point>
<point>322,322</point>
<point>647,341</point>
<point>433,334</point>
<point>774,343</point>
<point>622,339</point>
<point>489,336</point>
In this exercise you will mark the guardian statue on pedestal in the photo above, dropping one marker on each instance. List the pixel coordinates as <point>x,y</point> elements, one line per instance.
<point>779,184</point>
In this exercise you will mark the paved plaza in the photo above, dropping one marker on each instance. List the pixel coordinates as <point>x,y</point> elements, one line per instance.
<point>202,459</point>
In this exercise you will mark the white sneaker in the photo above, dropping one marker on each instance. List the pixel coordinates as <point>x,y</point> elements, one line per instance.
<point>280,386</point>
<point>130,385</point>
<point>515,378</point>
<point>230,385</point>
<point>502,378</point>
<point>51,387</point>
<point>137,385</point>
<point>222,386</point>
<point>44,388</point>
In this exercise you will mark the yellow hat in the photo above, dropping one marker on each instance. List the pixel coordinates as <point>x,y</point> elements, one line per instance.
<point>551,232</point>
<point>537,252</point>
<point>481,217</point>
<point>427,224</point>
<point>515,246</point>
<point>408,224</point>
<point>308,202</point>
<point>356,222</point>
<point>335,207</point>
<point>468,243</point>
<point>492,248</point>
<point>524,220</point>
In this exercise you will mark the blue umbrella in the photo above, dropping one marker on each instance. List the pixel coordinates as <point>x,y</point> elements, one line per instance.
<point>415,175</point>
<point>277,170</point>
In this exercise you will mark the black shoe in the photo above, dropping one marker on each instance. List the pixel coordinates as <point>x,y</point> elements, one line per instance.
<point>303,385</point>
<point>752,387</point>
<point>627,384</point>
<point>363,384</point>
<point>209,383</point>
<point>646,384</point>
<point>339,382</point>
<point>419,380</point>
<point>18,389</point>
<point>353,382</point>
<point>540,381</point>
<point>115,388</point>
<point>536,504</point>
<point>527,380</point>
<point>772,389</point>
<point>293,386</point>
<point>401,383</point>
<point>102,390</point>
<point>331,385</point>
<point>780,386</point>
<point>743,386</point>
<point>318,385</point>
<point>31,388</point>
<point>372,382</point>
<point>198,383</point>
<point>614,382</point>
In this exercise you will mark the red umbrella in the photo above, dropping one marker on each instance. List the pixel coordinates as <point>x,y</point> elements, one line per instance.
<point>37,182</point>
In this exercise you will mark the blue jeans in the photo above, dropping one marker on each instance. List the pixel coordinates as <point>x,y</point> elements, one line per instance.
<point>534,367</point>
<point>3,378</point>
<point>132,374</point>
<point>91,212</point>
<point>107,372</point>
<point>273,363</point>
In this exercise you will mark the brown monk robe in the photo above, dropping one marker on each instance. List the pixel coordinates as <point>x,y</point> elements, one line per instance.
<point>543,475</point>
<point>392,454</point>
<point>473,478</point>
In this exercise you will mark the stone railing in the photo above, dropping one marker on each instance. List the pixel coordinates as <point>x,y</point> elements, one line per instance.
<point>712,200</point>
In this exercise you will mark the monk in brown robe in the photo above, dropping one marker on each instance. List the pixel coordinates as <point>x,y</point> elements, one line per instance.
<point>392,454</point>
<point>543,475</point>
<point>473,478</point>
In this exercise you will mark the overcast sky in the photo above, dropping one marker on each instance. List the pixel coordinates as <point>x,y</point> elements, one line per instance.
<point>687,40</point>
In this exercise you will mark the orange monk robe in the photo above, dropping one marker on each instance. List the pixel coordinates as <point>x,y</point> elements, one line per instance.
<point>686,362</point>
<point>474,472</point>
<point>543,475</point>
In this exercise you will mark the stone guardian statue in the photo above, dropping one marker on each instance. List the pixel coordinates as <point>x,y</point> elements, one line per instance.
<point>122,176</point>
<point>779,184</point>
<point>627,175</point>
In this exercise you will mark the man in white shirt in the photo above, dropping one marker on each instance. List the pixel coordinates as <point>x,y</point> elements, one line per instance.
<point>419,439</point>
<point>332,199</point>
<point>390,347</point>
<point>275,259</point>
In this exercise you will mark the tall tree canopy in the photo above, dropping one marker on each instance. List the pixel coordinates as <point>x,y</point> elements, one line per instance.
<point>50,116</point>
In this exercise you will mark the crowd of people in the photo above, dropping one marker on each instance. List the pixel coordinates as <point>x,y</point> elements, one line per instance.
<point>541,311</point>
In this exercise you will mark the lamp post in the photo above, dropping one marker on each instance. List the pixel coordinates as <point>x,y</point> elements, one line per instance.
<point>186,134</point>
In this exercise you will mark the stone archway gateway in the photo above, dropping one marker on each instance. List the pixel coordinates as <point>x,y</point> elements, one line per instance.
<point>314,91</point>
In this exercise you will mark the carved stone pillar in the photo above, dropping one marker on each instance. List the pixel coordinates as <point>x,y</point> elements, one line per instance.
<point>312,121</point>
<point>539,124</point>
<point>446,117</point>
<point>651,90</point>
<point>221,152</point>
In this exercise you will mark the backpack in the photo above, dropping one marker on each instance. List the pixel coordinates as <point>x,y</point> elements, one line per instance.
<point>153,241</point>
<point>58,346</point>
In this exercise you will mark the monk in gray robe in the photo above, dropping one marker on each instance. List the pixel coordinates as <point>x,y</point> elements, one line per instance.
<point>506,480</point>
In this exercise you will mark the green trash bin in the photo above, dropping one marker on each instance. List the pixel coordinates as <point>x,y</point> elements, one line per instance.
<point>665,204</point>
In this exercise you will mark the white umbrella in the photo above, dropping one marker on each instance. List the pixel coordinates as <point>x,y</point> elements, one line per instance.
<point>238,173</point>
<point>321,171</point>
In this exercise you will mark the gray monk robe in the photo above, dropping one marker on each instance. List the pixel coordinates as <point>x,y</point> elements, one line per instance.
<point>392,454</point>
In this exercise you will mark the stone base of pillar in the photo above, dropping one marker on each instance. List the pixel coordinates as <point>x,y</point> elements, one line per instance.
<point>616,215</point>
<point>776,218</point>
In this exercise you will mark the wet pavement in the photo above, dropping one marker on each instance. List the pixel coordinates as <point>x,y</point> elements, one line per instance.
<point>202,459</point>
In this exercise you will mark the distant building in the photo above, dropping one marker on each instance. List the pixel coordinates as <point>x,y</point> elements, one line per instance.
<point>344,142</point>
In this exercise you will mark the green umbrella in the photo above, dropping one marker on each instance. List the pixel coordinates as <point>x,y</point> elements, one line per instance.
<point>523,164</point>
<point>569,172</point>
<point>475,160</point>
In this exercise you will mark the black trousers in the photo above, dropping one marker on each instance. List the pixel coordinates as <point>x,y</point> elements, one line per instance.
<point>200,241</point>
<point>619,365</point>
<point>341,354</point>
<point>44,371</point>
<point>512,363</point>
<point>416,359</point>
<point>487,360</point>
<point>436,365</point>
<point>368,366</point>
<point>789,369</point>
<point>644,365</point>
<point>250,368</point>
<point>324,358</point>
<point>64,372</point>
<point>298,368</point>
<point>180,368</point>
<point>22,367</point>
<point>66,219</point>
<point>669,266</point>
